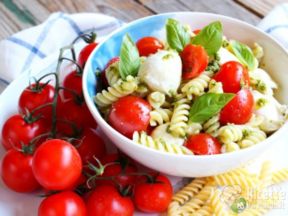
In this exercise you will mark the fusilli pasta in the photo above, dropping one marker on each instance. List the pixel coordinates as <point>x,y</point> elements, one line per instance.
<point>179,117</point>
<point>251,137</point>
<point>160,116</point>
<point>119,89</point>
<point>197,85</point>
<point>156,99</point>
<point>212,125</point>
<point>280,176</point>
<point>112,73</point>
<point>230,133</point>
<point>143,139</point>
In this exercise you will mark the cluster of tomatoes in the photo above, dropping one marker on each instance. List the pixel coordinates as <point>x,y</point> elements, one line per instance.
<point>52,145</point>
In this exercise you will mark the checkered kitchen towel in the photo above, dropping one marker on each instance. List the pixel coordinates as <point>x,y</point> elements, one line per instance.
<point>27,47</point>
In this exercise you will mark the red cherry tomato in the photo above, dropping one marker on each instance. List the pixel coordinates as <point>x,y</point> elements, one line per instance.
<point>129,114</point>
<point>105,200</point>
<point>239,109</point>
<point>85,53</point>
<point>72,81</point>
<point>75,112</point>
<point>203,144</point>
<point>34,96</point>
<point>232,75</point>
<point>153,197</point>
<point>91,145</point>
<point>148,45</point>
<point>120,170</point>
<point>194,59</point>
<point>65,203</point>
<point>57,165</point>
<point>17,172</point>
<point>197,31</point>
<point>16,131</point>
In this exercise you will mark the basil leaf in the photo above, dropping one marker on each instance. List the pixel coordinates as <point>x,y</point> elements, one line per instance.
<point>208,105</point>
<point>244,54</point>
<point>129,58</point>
<point>177,35</point>
<point>210,37</point>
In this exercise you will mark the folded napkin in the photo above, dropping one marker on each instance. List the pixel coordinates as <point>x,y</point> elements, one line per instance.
<point>276,24</point>
<point>29,46</point>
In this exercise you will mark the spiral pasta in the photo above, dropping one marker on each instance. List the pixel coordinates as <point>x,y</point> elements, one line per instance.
<point>179,117</point>
<point>141,91</point>
<point>252,137</point>
<point>160,116</point>
<point>236,177</point>
<point>143,139</point>
<point>215,87</point>
<point>197,85</point>
<point>119,89</point>
<point>190,190</point>
<point>193,128</point>
<point>112,73</point>
<point>216,205</point>
<point>230,147</point>
<point>212,125</point>
<point>203,211</point>
<point>198,200</point>
<point>156,99</point>
<point>230,133</point>
<point>280,176</point>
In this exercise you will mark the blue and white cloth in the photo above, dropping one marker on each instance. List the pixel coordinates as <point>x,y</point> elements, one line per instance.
<point>28,47</point>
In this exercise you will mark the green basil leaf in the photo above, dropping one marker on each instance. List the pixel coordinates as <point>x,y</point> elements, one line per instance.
<point>177,35</point>
<point>210,37</point>
<point>244,54</point>
<point>208,105</point>
<point>129,58</point>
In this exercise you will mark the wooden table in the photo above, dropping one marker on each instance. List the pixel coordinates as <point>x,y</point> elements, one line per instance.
<point>16,15</point>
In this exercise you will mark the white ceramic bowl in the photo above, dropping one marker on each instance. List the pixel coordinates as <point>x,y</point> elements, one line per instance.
<point>275,61</point>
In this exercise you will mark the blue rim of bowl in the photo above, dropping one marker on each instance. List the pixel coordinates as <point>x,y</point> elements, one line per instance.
<point>91,104</point>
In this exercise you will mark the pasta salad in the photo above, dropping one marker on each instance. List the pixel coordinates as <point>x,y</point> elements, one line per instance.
<point>197,92</point>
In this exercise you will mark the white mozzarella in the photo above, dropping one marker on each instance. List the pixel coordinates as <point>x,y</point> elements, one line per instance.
<point>225,56</point>
<point>162,71</point>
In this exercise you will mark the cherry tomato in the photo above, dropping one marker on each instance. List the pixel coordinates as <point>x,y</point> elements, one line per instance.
<point>17,172</point>
<point>72,81</point>
<point>194,59</point>
<point>120,170</point>
<point>85,53</point>
<point>57,165</point>
<point>17,131</point>
<point>232,75</point>
<point>203,144</point>
<point>197,31</point>
<point>76,112</point>
<point>91,145</point>
<point>153,197</point>
<point>66,203</point>
<point>148,45</point>
<point>105,200</point>
<point>35,96</point>
<point>129,114</point>
<point>239,109</point>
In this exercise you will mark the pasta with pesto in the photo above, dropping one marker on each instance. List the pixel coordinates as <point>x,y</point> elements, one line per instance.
<point>186,95</point>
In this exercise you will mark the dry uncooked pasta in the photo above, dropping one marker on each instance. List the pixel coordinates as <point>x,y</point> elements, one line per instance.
<point>227,194</point>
